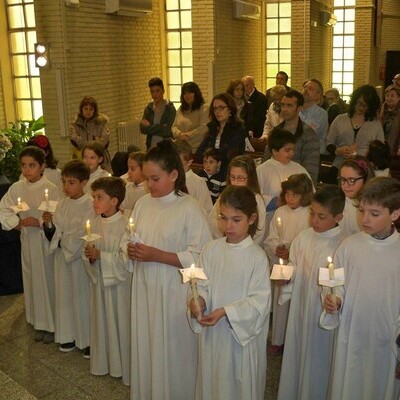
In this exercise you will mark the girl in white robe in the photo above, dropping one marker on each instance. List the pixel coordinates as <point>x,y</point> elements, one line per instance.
<point>37,268</point>
<point>136,185</point>
<point>241,172</point>
<point>293,218</point>
<point>172,229</point>
<point>353,174</point>
<point>235,302</point>
<point>93,156</point>
<point>368,320</point>
<point>308,348</point>
<point>71,281</point>
<point>110,283</point>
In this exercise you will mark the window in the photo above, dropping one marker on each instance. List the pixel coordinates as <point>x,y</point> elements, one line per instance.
<point>343,47</point>
<point>178,14</point>
<point>25,74</point>
<point>278,40</point>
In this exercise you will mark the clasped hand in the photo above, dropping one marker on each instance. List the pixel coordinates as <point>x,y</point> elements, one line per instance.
<point>142,252</point>
<point>209,319</point>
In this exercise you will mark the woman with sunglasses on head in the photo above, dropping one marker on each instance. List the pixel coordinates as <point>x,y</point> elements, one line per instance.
<point>353,174</point>
<point>226,131</point>
<point>351,133</point>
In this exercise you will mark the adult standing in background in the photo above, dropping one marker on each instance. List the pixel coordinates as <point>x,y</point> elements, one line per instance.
<point>280,79</point>
<point>226,131</point>
<point>389,115</point>
<point>336,105</point>
<point>158,116</point>
<point>236,90</point>
<point>88,125</point>
<point>312,114</point>
<point>396,80</point>
<point>192,116</point>
<point>350,134</point>
<point>258,105</point>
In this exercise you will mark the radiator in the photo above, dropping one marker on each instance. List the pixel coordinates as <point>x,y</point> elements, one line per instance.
<point>129,134</point>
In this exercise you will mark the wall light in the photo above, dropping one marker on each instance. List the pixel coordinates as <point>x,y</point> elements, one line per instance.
<point>42,58</point>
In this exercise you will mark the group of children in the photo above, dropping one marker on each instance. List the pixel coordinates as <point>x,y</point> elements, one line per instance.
<point>101,272</point>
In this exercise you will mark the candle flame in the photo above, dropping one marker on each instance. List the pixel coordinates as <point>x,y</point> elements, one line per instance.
<point>131,220</point>
<point>19,200</point>
<point>279,220</point>
<point>281,261</point>
<point>329,259</point>
<point>46,191</point>
<point>192,266</point>
<point>88,222</point>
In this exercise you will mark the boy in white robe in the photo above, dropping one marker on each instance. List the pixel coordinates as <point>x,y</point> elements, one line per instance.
<point>64,230</point>
<point>110,283</point>
<point>196,185</point>
<point>236,299</point>
<point>308,348</point>
<point>279,167</point>
<point>368,319</point>
<point>37,271</point>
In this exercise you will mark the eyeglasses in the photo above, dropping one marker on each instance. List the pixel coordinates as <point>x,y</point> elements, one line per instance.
<point>219,108</point>
<point>349,181</point>
<point>237,178</point>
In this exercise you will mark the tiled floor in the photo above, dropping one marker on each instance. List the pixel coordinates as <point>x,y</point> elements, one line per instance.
<point>30,370</point>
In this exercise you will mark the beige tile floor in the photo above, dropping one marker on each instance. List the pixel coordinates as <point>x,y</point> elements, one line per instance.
<point>30,370</point>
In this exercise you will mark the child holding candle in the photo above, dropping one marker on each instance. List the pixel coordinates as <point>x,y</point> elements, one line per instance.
<point>197,187</point>
<point>110,283</point>
<point>241,172</point>
<point>51,172</point>
<point>368,321</point>
<point>173,230</point>
<point>353,174</point>
<point>236,300</point>
<point>93,154</point>
<point>308,348</point>
<point>37,270</point>
<point>71,281</point>
<point>293,217</point>
<point>279,167</point>
<point>136,186</point>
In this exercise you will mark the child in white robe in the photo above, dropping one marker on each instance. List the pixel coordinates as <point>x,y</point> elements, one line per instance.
<point>93,155</point>
<point>173,229</point>
<point>278,168</point>
<point>308,348</point>
<point>368,320</point>
<point>353,174</point>
<point>235,302</point>
<point>241,172</point>
<point>293,218</point>
<point>37,271</point>
<point>65,230</point>
<point>136,186</point>
<point>196,185</point>
<point>110,283</point>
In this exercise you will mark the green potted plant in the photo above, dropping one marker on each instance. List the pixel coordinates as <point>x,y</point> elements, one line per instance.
<point>18,135</point>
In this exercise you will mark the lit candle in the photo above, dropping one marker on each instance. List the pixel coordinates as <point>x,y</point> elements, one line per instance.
<point>281,263</point>
<point>19,204</point>
<point>109,174</point>
<point>88,229</point>
<point>46,198</point>
<point>131,226</point>
<point>332,278</point>
<point>279,228</point>
<point>331,269</point>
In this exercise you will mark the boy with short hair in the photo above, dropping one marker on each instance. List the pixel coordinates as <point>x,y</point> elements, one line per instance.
<point>279,167</point>
<point>212,175</point>
<point>195,185</point>
<point>71,281</point>
<point>308,348</point>
<point>364,360</point>
<point>110,283</point>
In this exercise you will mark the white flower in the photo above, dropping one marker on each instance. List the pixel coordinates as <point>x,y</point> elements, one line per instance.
<point>5,145</point>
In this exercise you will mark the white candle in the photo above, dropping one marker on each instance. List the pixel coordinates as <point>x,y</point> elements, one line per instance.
<point>331,269</point>
<point>131,226</point>
<point>19,204</point>
<point>88,229</point>
<point>279,228</point>
<point>46,198</point>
